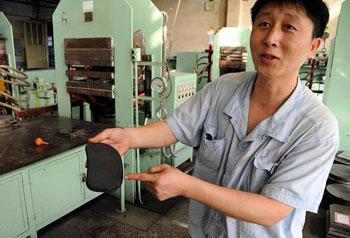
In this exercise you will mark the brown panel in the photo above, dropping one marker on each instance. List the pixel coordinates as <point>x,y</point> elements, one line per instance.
<point>89,88</point>
<point>93,57</point>
<point>89,51</point>
<point>35,112</point>
<point>94,43</point>
<point>230,50</point>
<point>89,74</point>
<point>89,84</point>
<point>232,64</point>
<point>233,58</point>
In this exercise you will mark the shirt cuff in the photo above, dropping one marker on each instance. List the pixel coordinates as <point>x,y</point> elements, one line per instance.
<point>290,198</point>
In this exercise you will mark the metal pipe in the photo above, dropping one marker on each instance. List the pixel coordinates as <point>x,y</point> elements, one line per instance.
<point>10,106</point>
<point>147,63</point>
<point>146,98</point>
<point>138,169</point>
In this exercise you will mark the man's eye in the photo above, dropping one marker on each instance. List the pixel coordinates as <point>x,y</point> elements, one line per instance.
<point>264,25</point>
<point>289,27</point>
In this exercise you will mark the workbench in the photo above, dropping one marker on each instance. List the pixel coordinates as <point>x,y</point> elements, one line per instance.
<point>38,185</point>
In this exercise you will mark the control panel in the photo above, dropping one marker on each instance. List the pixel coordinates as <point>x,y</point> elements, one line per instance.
<point>184,91</point>
<point>182,86</point>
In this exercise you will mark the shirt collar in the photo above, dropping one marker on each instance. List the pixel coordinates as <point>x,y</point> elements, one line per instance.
<point>278,126</point>
<point>237,107</point>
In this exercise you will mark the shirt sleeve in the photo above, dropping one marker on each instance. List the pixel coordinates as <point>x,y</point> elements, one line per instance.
<point>187,120</point>
<point>300,178</point>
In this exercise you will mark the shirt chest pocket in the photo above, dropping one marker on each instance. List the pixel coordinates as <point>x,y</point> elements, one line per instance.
<point>265,163</point>
<point>211,152</point>
<point>264,167</point>
<point>211,149</point>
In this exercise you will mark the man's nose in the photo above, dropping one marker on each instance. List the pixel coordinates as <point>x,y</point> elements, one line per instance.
<point>273,37</point>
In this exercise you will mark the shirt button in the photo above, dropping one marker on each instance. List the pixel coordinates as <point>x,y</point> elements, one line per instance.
<point>217,217</point>
<point>228,171</point>
<point>242,146</point>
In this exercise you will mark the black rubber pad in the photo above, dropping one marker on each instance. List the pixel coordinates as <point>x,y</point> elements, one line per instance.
<point>104,168</point>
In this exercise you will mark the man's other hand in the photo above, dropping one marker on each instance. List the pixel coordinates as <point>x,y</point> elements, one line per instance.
<point>116,137</point>
<point>163,181</point>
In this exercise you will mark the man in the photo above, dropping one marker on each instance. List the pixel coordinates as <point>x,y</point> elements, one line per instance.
<point>266,143</point>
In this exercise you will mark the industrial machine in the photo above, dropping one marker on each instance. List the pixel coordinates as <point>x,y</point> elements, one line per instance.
<point>313,72</point>
<point>108,55</point>
<point>183,86</point>
<point>336,97</point>
<point>231,51</point>
<point>7,51</point>
<point>228,52</point>
<point>12,81</point>
<point>37,93</point>
<point>196,62</point>
<point>40,94</point>
<point>313,76</point>
<point>337,85</point>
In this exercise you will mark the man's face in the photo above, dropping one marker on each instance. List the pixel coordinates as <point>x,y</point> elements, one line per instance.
<point>281,40</point>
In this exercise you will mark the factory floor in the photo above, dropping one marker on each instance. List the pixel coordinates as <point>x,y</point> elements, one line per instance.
<point>98,219</point>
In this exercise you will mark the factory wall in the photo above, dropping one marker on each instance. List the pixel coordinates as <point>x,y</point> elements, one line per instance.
<point>334,10</point>
<point>193,22</point>
<point>234,16</point>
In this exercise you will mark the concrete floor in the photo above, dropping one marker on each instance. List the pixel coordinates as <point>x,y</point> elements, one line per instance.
<point>98,219</point>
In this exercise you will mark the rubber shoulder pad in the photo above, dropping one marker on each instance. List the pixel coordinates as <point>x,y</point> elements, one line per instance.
<point>104,168</point>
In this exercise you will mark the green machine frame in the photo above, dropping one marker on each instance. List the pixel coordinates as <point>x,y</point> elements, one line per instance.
<point>6,32</point>
<point>118,20</point>
<point>39,98</point>
<point>187,61</point>
<point>337,86</point>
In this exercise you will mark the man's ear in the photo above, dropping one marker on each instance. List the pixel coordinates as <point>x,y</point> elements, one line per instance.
<point>316,42</point>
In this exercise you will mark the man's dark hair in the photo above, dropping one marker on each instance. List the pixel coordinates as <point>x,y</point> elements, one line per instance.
<point>316,10</point>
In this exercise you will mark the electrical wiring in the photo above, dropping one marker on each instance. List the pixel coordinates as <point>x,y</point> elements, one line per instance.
<point>200,72</point>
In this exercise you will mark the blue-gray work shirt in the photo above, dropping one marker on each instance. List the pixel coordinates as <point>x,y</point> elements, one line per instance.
<point>287,157</point>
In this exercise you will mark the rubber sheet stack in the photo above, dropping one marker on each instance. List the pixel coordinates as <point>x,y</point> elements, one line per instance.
<point>338,223</point>
<point>338,218</point>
